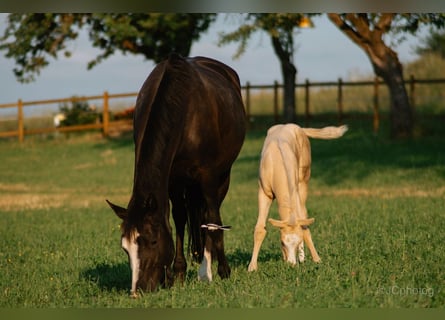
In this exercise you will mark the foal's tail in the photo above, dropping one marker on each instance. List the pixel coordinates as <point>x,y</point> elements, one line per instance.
<point>326,132</point>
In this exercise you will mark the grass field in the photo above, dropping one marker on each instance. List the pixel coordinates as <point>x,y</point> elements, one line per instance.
<point>379,229</point>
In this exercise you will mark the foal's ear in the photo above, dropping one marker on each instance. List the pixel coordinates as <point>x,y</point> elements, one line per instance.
<point>305,222</point>
<point>277,223</point>
<point>120,212</point>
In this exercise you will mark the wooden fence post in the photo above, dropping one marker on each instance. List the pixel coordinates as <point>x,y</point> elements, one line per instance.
<point>376,115</point>
<point>275,101</point>
<point>340,100</point>
<point>21,125</point>
<point>306,102</point>
<point>412,92</point>
<point>105,116</point>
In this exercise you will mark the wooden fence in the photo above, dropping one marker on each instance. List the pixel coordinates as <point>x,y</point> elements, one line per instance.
<point>376,84</point>
<point>106,124</point>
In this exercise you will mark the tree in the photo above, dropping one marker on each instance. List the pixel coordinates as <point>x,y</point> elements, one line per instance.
<point>433,43</point>
<point>281,29</point>
<point>32,39</point>
<point>368,31</point>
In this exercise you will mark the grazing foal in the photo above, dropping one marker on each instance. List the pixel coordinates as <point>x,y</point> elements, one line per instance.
<point>285,169</point>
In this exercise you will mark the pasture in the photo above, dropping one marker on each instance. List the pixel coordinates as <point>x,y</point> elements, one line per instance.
<point>379,226</point>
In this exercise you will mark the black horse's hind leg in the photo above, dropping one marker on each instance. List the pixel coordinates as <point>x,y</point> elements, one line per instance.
<point>218,245</point>
<point>180,217</point>
<point>214,194</point>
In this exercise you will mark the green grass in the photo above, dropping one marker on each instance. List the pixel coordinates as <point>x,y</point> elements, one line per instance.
<point>379,229</point>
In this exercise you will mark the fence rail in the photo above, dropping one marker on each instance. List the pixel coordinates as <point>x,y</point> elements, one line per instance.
<point>376,85</point>
<point>105,124</point>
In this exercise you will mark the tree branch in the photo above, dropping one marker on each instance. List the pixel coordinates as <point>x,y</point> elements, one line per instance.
<point>346,29</point>
<point>384,23</point>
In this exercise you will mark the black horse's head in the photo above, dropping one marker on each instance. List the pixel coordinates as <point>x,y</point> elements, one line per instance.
<point>147,240</point>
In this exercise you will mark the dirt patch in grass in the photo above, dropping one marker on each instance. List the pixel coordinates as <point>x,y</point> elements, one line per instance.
<point>30,201</point>
<point>17,197</point>
<point>16,187</point>
<point>14,197</point>
<point>38,201</point>
<point>382,193</point>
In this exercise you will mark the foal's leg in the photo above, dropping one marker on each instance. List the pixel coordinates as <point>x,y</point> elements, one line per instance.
<point>305,173</point>
<point>308,239</point>
<point>259,234</point>
<point>304,176</point>
<point>179,216</point>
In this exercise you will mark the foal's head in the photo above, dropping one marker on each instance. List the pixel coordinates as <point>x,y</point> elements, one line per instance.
<point>292,236</point>
<point>147,241</point>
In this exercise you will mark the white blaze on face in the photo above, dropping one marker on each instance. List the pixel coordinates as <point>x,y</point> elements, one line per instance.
<point>131,247</point>
<point>291,242</point>
<point>301,252</point>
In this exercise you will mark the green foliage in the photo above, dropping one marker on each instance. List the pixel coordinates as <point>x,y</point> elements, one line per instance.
<point>434,43</point>
<point>78,113</point>
<point>32,38</point>
<point>411,22</point>
<point>154,35</point>
<point>278,25</point>
<point>378,206</point>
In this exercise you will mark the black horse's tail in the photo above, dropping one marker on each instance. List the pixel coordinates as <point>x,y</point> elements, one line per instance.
<point>195,218</point>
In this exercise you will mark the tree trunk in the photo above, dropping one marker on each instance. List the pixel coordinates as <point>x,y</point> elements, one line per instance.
<point>368,35</point>
<point>289,73</point>
<point>289,103</point>
<point>400,114</point>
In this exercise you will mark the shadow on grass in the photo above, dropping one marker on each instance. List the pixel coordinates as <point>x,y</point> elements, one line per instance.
<point>117,277</point>
<point>359,153</point>
<point>123,140</point>
<point>355,155</point>
<point>109,277</point>
<point>241,258</point>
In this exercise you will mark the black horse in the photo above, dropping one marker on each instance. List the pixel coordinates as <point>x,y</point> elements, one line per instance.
<point>189,126</point>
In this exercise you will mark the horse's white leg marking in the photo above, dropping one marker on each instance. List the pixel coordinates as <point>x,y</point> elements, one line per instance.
<point>131,247</point>
<point>205,270</point>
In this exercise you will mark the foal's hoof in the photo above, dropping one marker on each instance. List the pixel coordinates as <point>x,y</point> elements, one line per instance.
<point>252,267</point>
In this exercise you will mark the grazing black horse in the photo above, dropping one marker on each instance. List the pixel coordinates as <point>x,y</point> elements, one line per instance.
<point>189,126</point>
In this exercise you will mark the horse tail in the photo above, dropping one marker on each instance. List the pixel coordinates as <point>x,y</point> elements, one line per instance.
<point>326,132</point>
<point>195,216</point>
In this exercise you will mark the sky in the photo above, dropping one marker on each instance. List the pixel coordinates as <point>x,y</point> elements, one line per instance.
<point>323,54</point>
